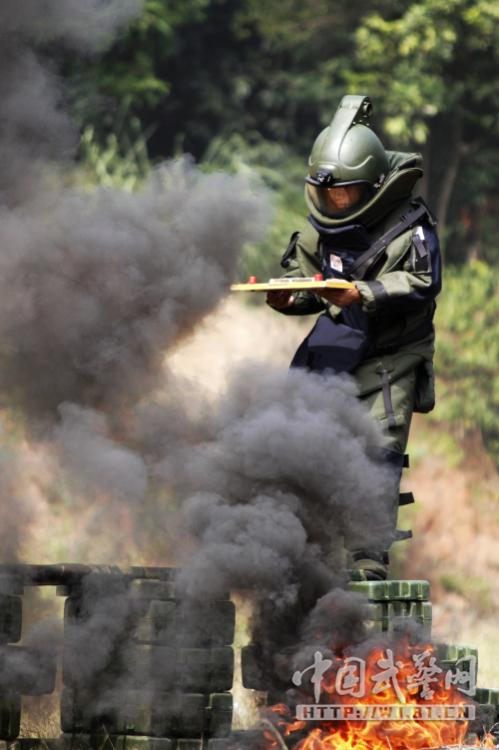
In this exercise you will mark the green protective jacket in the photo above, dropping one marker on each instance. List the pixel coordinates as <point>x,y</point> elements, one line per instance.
<point>397,295</point>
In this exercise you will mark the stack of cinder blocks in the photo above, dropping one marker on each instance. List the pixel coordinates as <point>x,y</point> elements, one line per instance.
<point>393,602</point>
<point>391,605</point>
<point>489,704</point>
<point>143,669</point>
<point>24,671</point>
<point>165,684</point>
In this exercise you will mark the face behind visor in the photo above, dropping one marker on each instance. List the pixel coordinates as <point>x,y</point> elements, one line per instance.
<point>338,200</point>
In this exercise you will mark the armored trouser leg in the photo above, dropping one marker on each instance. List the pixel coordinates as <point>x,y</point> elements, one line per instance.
<point>392,406</point>
<point>395,421</point>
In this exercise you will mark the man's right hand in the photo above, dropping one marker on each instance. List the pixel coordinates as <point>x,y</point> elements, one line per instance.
<point>280,300</point>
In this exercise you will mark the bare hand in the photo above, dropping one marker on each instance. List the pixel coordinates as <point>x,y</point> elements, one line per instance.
<point>341,297</point>
<point>280,300</point>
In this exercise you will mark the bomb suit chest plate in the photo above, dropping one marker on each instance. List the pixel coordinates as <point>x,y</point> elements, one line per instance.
<point>340,248</point>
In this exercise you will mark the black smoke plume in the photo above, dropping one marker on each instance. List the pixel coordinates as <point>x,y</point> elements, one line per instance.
<point>95,287</point>
<point>272,481</point>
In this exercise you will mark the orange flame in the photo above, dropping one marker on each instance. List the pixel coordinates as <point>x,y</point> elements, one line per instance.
<point>400,688</point>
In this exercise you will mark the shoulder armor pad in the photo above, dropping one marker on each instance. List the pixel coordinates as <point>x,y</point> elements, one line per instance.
<point>429,217</point>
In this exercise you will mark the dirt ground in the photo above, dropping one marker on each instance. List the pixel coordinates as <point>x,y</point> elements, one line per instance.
<point>456,528</point>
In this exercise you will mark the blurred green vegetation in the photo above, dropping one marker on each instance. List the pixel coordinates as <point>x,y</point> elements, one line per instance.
<point>476,591</point>
<point>271,74</point>
<point>122,160</point>
<point>246,86</point>
<point>468,353</point>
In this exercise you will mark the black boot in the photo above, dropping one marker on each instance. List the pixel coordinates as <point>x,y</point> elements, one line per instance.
<point>369,565</point>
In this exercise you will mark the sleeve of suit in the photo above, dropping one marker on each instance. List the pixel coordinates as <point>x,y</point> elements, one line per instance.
<point>303,261</point>
<point>416,282</point>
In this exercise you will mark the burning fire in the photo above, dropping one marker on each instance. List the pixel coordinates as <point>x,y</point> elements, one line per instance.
<point>400,688</point>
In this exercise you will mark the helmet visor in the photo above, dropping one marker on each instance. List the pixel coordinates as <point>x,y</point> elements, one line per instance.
<point>338,200</point>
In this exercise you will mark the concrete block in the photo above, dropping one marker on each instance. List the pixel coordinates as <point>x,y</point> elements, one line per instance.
<point>11,615</point>
<point>379,591</point>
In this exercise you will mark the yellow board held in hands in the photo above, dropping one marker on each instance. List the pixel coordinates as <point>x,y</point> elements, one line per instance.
<point>310,283</point>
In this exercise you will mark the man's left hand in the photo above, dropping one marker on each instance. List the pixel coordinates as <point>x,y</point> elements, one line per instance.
<point>341,297</point>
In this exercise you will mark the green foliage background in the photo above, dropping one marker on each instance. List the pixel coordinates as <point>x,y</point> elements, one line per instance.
<point>468,353</point>
<point>246,85</point>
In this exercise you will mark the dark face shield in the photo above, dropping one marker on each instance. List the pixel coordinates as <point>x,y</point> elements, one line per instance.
<point>338,200</point>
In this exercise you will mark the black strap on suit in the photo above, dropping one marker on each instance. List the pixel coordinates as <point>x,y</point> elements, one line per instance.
<point>367,260</point>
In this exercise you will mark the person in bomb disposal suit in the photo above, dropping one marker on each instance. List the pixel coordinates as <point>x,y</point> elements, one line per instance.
<point>365,226</point>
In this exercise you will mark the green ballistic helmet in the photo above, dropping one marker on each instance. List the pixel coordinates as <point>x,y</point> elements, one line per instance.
<point>347,152</point>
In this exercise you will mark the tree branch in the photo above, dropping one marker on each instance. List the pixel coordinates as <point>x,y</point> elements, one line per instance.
<point>449,180</point>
